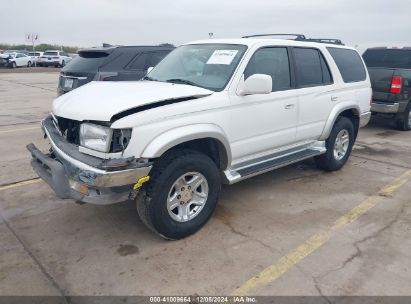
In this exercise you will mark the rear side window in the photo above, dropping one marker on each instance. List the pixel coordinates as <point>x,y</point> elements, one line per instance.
<point>311,68</point>
<point>147,59</point>
<point>273,62</point>
<point>388,58</point>
<point>349,63</point>
<point>139,62</point>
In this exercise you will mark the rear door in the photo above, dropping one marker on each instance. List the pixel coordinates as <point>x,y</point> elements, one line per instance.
<point>315,92</point>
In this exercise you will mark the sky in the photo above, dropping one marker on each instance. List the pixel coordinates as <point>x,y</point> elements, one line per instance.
<point>86,23</point>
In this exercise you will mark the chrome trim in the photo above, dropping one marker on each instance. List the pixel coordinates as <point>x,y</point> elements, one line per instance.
<point>233,176</point>
<point>96,177</point>
<point>385,107</point>
<point>75,77</point>
<point>365,119</point>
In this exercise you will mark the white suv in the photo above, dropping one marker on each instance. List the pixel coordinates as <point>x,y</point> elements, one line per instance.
<point>54,58</point>
<point>211,112</point>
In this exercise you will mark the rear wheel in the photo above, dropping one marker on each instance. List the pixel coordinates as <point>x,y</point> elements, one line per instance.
<point>404,119</point>
<point>339,145</point>
<point>181,195</point>
<point>29,64</point>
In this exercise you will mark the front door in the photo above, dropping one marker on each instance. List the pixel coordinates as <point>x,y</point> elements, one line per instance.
<point>264,122</point>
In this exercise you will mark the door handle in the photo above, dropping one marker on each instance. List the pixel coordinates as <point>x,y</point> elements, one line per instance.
<point>334,98</point>
<point>289,106</point>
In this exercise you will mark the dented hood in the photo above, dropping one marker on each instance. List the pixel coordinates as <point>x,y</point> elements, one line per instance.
<point>102,100</point>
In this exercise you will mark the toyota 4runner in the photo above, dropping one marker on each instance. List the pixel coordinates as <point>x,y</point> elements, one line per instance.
<point>212,112</point>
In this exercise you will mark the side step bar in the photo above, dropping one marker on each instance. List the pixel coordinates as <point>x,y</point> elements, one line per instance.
<point>271,163</point>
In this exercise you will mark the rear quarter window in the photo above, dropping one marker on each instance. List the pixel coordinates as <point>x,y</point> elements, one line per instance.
<point>349,63</point>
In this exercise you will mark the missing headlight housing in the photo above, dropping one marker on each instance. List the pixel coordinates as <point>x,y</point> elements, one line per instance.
<point>120,140</point>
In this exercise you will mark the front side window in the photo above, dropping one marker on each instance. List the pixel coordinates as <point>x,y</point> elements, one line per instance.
<point>272,61</point>
<point>349,63</point>
<point>208,66</point>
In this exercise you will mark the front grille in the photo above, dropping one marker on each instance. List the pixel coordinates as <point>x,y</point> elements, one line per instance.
<point>70,129</point>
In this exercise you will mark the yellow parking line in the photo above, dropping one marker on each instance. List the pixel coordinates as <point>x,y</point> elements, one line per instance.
<point>18,130</point>
<point>19,184</point>
<point>285,263</point>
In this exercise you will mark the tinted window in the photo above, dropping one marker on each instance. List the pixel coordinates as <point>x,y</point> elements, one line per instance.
<point>309,70</point>
<point>50,53</point>
<point>156,57</point>
<point>273,62</point>
<point>20,56</point>
<point>388,58</point>
<point>139,62</point>
<point>87,62</point>
<point>327,78</point>
<point>349,63</point>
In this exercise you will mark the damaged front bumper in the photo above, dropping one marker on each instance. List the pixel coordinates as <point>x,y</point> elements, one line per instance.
<point>81,177</point>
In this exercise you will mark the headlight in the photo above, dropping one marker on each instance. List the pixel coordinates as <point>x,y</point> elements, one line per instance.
<point>95,137</point>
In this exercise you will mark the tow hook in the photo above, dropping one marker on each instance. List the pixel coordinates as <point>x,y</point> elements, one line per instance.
<point>137,186</point>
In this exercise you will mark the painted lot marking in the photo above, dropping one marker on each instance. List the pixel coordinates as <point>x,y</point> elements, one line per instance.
<point>18,130</point>
<point>273,272</point>
<point>19,184</point>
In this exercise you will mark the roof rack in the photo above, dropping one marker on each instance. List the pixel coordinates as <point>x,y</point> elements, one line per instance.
<point>297,36</point>
<point>301,37</point>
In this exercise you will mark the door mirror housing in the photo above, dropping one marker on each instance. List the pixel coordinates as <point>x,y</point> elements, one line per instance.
<point>149,69</point>
<point>257,84</point>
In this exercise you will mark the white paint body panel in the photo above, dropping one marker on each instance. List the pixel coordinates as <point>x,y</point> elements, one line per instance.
<point>248,126</point>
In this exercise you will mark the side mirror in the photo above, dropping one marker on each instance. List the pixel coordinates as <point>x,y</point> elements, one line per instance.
<point>257,84</point>
<point>149,69</point>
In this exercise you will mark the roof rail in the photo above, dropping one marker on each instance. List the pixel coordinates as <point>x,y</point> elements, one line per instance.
<point>297,36</point>
<point>301,37</point>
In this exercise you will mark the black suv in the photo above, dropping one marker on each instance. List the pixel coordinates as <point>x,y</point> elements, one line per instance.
<point>390,74</point>
<point>110,64</point>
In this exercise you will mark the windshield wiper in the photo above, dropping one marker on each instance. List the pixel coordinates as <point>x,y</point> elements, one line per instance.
<point>149,78</point>
<point>182,81</point>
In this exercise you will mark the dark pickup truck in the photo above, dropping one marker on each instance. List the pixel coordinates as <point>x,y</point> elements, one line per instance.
<point>390,73</point>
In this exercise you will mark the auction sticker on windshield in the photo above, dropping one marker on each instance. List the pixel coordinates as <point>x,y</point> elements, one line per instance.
<point>222,57</point>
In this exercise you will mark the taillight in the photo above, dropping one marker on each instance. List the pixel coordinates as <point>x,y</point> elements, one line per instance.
<point>396,85</point>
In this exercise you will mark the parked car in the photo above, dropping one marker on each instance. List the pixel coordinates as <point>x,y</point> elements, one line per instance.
<point>54,58</point>
<point>390,74</point>
<point>211,112</point>
<point>14,60</point>
<point>35,57</point>
<point>16,51</point>
<point>110,64</point>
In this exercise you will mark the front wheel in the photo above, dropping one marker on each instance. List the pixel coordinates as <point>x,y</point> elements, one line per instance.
<point>181,195</point>
<point>29,64</point>
<point>339,146</point>
<point>13,65</point>
<point>63,63</point>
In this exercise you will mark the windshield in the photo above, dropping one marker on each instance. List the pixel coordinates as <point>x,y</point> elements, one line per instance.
<point>208,66</point>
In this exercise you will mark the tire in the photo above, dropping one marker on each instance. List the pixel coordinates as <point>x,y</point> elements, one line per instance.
<point>63,63</point>
<point>335,157</point>
<point>13,65</point>
<point>29,64</point>
<point>152,200</point>
<point>404,119</point>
